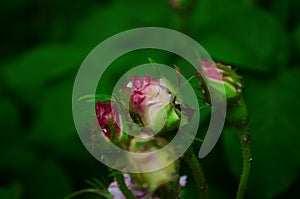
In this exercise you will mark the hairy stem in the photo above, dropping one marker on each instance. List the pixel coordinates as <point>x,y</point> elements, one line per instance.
<point>247,158</point>
<point>238,117</point>
<point>198,173</point>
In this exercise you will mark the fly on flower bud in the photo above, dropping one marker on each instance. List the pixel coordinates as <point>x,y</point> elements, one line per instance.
<point>153,105</point>
<point>217,76</point>
<point>109,120</point>
<point>152,158</point>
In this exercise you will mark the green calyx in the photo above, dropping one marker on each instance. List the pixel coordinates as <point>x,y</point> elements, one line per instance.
<point>167,119</point>
<point>231,85</point>
<point>232,82</point>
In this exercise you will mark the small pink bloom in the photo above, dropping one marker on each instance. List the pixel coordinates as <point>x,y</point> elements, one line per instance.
<point>108,118</point>
<point>139,193</point>
<point>182,181</point>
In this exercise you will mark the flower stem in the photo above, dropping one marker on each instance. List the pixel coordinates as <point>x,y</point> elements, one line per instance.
<point>122,185</point>
<point>198,173</point>
<point>247,158</point>
<point>238,117</point>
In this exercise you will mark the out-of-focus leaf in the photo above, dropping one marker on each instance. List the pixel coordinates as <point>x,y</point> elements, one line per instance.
<point>54,121</point>
<point>121,16</point>
<point>232,147</point>
<point>28,73</point>
<point>47,181</point>
<point>281,9</point>
<point>274,116</point>
<point>249,38</point>
<point>229,50</point>
<point>297,37</point>
<point>128,61</point>
<point>9,121</point>
<point>16,158</point>
<point>6,194</point>
<point>34,68</point>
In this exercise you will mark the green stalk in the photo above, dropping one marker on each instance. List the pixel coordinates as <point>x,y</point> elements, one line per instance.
<point>247,158</point>
<point>237,116</point>
<point>197,172</point>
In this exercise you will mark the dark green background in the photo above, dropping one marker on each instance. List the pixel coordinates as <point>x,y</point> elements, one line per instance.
<point>43,43</point>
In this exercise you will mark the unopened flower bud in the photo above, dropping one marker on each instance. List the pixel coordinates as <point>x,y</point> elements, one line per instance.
<point>152,104</point>
<point>154,179</point>
<point>218,76</point>
<point>109,120</point>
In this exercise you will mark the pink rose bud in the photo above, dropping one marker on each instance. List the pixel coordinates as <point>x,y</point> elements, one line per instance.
<point>154,179</point>
<point>152,104</point>
<point>218,76</point>
<point>109,120</point>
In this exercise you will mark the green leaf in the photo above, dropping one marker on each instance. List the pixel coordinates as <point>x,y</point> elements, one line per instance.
<point>274,116</point>
<point>29,73</point>
<point>281,9</point>
<point>229,50</point>
<point>17,158</point>
<point>297,37</point>
<point>37,66</point>
<point>120,16</point>
<point>246,37</point>
<point>54,121</point>
<point>232,149</point>
<point>9,121</point>
<point>6,194</point>
<point>47,180</point>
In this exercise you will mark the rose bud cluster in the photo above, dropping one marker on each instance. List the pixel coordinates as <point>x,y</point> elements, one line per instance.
<point>154,109</point>
<point>220,76</point>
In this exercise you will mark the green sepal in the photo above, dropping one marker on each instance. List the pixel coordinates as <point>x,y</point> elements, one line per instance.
<point>166,120</point>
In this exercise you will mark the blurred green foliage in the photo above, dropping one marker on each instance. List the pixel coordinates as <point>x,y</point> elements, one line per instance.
<point>44,43</point>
